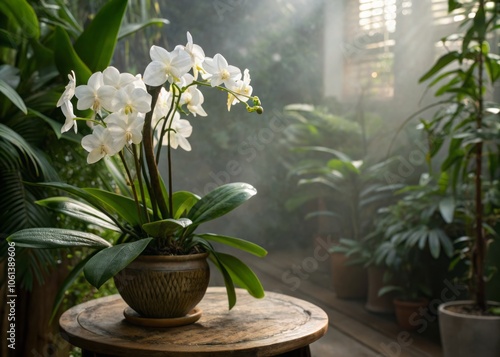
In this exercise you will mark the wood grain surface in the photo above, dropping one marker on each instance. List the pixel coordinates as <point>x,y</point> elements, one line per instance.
<point>254,327</point>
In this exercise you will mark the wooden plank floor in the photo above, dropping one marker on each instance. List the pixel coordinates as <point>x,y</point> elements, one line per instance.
<point>353,331</point>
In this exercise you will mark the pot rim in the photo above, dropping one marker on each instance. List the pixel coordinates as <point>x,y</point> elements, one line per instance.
<point>176,258</point>
<point>442,310</point>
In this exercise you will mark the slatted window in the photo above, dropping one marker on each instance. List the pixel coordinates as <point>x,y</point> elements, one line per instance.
<point>371,35</point>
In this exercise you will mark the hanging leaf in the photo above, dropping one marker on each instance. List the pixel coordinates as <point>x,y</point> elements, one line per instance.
<point>96,44</point>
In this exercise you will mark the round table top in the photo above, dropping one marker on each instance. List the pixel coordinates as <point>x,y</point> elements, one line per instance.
<point>258,327</point>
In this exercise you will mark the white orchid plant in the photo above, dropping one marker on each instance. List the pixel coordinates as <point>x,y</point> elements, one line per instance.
<point>133,117</point>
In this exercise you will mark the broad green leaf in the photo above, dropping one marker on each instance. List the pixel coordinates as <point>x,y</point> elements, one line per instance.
<point>389,289</point>
<point>106,263</point>
<point>67,59</point>
<point>129,29</point>
<point>117,174</point>
<point>124,206</point>
<point>96,44</point>
<point>12,95</point>
<point>442,62</point>
<point>447,208</point>
<point>228,282</point>
<point>165,227</point>
<point>21,12</point>
<point>56,238</point>
<point>183,201</point>
<point>236,243</point>
<point>220,201</point>
<point>80,211</point>
<point>242,275</point>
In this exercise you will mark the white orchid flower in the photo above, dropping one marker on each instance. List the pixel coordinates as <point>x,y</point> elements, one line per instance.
<point>193,99</point>
<point>163,104</point>
<point>99,144</point>
<point>69,90</point>
<point>219,71</point>
<point>131,99</point>
<point>67,109</point>
<point>125,129</point>
<point>112,77</point>
<point>182,130</point>
<point>196,53</point>
<point>95,94</point>
<point>166,66</point>
<point>242,87</point>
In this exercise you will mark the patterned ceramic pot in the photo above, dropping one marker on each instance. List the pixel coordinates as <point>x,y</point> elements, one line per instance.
<point>164,286</point>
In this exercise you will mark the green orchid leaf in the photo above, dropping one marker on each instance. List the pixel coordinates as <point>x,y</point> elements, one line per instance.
<point>129,29</point>
<point>220,201</point>
<point>67,59</point>
<point>241,274</point>
<point>238,243</point>
<point>228,282</point>
<point>106,263</point>
<point>183,201</point>
<point>12,95</point>
<point>124,206</point>
<point>96,44</point>
<point>80,211</point>
<point>21,12</point>
<point>165,227</point>
<point>114,170</point>
<point>56,238</point>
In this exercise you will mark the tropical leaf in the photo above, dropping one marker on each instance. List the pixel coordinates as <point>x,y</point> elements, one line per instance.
<point>50,238</point>
<point>235,243</point>
<point>67,60</point>
<point>12,95</point>
<point>125,207</point>
<point>21,12</point>
<point>80,211</point>
<point>220,201</point>
<point>107,262</point>
<point>241,274</point>
<point>96,44</point>
<point>165,227</point>
<point>129,29</point>
<point>183,201</point>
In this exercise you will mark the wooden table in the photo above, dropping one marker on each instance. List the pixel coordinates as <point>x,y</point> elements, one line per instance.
<point>277,325</point>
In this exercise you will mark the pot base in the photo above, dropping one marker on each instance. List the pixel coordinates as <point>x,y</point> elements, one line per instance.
<point>134,318</point>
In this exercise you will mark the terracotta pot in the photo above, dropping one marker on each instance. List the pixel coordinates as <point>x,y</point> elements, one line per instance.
<point>374,303</point>
<point>404,309</point>
<point>164,286</point>
<point>349,281</point>
<point>468,335</point>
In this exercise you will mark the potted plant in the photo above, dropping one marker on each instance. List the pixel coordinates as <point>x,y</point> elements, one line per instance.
<point>352,190</point>
<point>417,229</point>
<point>132,117</point>
<point>467,121</point>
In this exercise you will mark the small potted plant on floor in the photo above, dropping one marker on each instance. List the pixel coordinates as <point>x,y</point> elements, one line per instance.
<point>467,120</point>
<point>158,252</point>
<point>417,229</point>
